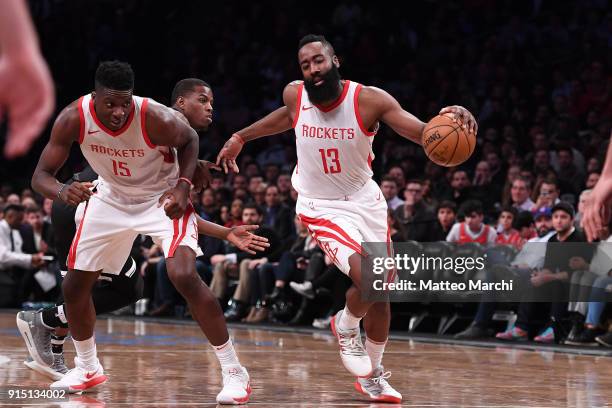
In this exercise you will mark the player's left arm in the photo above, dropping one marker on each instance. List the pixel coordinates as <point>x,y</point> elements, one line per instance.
<point>241,237</point>
<point>164,128</point>
<point>377,104</point>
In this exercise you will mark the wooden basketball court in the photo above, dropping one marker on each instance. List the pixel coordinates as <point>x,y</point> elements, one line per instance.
<point>153,364</point>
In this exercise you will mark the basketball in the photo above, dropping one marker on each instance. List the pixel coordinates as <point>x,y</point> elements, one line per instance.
<point>446,143</point>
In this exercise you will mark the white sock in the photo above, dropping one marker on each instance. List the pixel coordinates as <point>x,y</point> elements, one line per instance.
<point>375,351</point>
<point>348,320</point>
<point>226,355</point>
<point>87,353</point>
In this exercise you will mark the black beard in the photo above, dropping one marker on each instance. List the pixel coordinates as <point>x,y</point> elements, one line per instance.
<point>328,91</point>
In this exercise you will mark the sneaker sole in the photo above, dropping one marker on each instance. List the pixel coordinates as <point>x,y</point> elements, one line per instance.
<point>24,329</point>
<point>237,401</point>
<point>382,398</point>
<point>88,386</point>
<point>46,371</point>
<point>603,343</point>
<point>332,326</point>
<point>577,343</point>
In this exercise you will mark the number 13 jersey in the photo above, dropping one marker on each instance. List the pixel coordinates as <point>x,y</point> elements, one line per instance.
<point>334,149</point>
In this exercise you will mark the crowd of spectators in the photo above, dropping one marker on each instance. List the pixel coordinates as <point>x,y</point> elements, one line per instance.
<point>535,74</point>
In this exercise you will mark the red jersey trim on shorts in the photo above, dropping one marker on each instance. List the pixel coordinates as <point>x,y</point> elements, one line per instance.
<point>75,242</point>
<point>143,127</point>
<point>81,120</point>
<point>298,104</point>
<point>342,236</point>
<point>175,242</point>
<point>113,133</point>
<point>358,115</point>
<point>338,101</point>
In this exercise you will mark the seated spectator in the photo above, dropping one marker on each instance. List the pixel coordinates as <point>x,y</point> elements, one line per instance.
<point>397,229</point>
<point>268,282</point>
<point>446,213</point>
<point>592,179</point>
<point>472,229</point>
<point>483,188</point>
<point>519,194</point>
<point>272,171</point>
<point>506,234</point>
<point>588,296</point>
<point>276,215</point>
<point>14,263</point>
<point>284,189</point>
<point>218,181</point>
<point>398,174</point>
<point>581,202</point>
<point>235,214</point>
<point>529,259</point>
<point>417,219</point>
<point>570,175</point>
<point>547,195</point>
<point>209,209</point>
<point>239,182</point>
<point>237,264</point>
<point>388,187</point>
<point>553,279</point>
<point>460,188</point>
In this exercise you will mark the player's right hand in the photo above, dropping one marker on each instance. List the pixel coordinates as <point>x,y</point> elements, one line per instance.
<point>597,210</point>
<point>229,152</point>
<point>27,96</point>
<point>76,193</point>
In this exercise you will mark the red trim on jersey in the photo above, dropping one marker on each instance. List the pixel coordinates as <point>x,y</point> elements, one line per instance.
<point>358,115</point>
<point>173,247</point>
<point>321,222</point>
<point>464,237</point>
<point>168,156</point>
<point>113,133</point>
<point>338,101</point>
<point>298,105</point>
<point>143,127</point>
<point>296,166</point>
<point>81,120</point>
<point>75,242</point>
<point>370,160</point>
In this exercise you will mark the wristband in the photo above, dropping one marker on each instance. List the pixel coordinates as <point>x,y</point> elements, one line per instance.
<point>60,191</point>
<point>240,139</point>
<point>186,180</point>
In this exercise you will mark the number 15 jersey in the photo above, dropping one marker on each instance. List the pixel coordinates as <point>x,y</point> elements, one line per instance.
<point>130,167</point>
<point>334,149</point>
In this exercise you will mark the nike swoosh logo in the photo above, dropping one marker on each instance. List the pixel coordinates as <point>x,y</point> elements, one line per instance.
<point>305,108</point>
<point>91,132</point>
<point>89,376</point>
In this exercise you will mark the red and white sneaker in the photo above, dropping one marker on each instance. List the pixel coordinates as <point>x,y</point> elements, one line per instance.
<point>352,352</point>
<point>80,380</point>
<point>236,386</point>
<point>377,388</point>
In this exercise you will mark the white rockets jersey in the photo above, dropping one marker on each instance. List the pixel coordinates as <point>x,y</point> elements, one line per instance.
<point>334,149</point>
<point>131,169</point>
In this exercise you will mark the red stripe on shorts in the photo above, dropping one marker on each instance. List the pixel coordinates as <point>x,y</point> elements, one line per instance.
<point>344,239</point>
<point>75,242</point>
<point>176,242</point>
<point>321,222</point>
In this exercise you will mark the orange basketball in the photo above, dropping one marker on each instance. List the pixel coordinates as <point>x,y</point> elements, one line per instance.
<point>446,143</point>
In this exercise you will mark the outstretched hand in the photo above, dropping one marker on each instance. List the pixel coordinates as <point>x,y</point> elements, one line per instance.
<point>229,152</point>
<point>243,239</point>
<point>462,116</point>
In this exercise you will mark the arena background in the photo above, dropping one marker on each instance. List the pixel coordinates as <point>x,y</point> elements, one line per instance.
<point>536,75</point>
